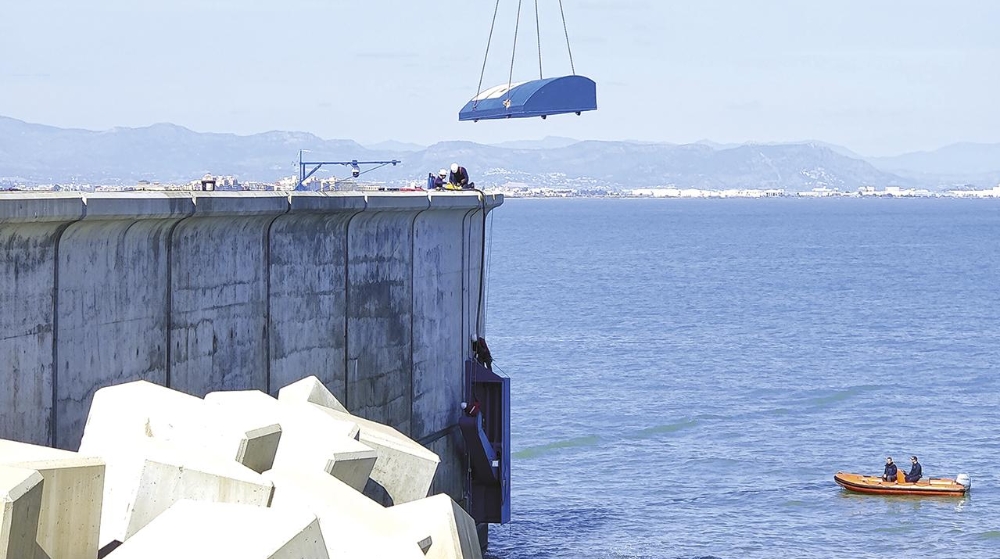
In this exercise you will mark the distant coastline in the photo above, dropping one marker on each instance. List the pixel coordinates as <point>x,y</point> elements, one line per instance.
<point>36,155</point>
<point>231,184</point>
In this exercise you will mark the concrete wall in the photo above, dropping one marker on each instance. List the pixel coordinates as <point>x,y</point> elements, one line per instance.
<point>375,294</point>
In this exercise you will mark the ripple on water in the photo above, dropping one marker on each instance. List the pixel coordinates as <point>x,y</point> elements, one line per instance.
<point>543,449</point>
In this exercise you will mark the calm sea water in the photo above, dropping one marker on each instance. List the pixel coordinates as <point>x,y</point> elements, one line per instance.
<point>688,375</point>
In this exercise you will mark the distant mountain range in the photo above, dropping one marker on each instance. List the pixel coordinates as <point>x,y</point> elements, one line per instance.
<point>38,154</point>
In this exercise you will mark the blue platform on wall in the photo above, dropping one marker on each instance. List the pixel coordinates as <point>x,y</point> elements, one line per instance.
<point>550,96</point>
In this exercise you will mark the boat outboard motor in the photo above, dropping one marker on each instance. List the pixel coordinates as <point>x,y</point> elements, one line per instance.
<point>963,479</point>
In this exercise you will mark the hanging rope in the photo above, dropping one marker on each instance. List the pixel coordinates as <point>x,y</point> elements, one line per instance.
<point>513,52</point>
<point>479,88</point>
<point>566,31</point>
<point>538,33</point>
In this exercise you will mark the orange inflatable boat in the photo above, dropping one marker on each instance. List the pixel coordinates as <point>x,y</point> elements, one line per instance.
<point>875,486</point>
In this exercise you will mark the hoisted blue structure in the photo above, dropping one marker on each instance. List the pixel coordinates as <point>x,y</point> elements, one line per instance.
<point>551,96</point>
<point>536,98</point>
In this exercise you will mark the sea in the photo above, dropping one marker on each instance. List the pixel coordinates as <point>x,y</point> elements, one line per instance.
<point>689,375</point>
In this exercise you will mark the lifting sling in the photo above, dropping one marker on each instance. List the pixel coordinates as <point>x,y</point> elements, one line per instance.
<point>535,98</point>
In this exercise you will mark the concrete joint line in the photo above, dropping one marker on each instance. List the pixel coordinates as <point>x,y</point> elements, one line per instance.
<point>56,241</point>
<point>347,304</point>
<point>169,353</point>
<point>413,295</point>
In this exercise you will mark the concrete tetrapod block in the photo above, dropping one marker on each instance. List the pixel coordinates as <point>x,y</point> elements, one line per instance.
<point>311,439</point>
<point>354,526</point>
<point>313,391</point>
<point>20,503</point>
<point>145,477</point>
<point>72,496</point>
<point>404,468</point>
<point>199,530</point>
<point>453,531</point>
<point>143,410</point>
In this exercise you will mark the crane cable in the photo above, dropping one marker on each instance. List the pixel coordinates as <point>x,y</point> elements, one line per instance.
<point>538,32</point>
<point>572,67</point>
<point>513,53</point>
<point>479,88</point>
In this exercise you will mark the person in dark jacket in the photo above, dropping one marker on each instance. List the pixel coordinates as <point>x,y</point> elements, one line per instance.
<point>915,471</point>
<point>438,181</point>
<point>482,352</point>
<point>459,177</point>
<point>890,470</point>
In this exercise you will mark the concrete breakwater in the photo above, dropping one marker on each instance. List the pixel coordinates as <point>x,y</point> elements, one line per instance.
<point>375,294</point>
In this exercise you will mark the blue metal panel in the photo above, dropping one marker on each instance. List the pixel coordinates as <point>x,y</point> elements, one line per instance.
<point>487,438</point>
<point>551,96</point>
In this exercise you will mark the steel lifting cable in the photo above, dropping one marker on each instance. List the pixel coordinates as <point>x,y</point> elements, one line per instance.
<point>538,33</point>
<point>566,31</point>
<point>480,310</point>
<point>479,88</point>
<point>513,53</point>
<point>489,266</point>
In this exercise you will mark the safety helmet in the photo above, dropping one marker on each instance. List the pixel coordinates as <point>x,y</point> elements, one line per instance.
<point>443,173</point>
<point>454,167</point>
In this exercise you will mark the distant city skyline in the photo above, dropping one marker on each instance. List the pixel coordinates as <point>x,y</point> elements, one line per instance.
<point>878,78</point>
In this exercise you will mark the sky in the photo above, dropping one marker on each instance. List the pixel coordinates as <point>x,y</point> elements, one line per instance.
<point>879,77</point>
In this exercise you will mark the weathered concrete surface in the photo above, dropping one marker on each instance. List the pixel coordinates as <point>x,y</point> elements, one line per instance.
<point>453,531</point>
<point>452,470</point>
<point>29,238</point>
<point>219,287</point>
<point>379,308</point>
<point>144,479</point>
<point>310,390</point>
<point>354,526</point>
<point>308,281</point>
<point>71,498</point>
<point>310,439</point>
<point>438,266</point>
<point>404,469</point>
<point>141,410</point>
<point>113,300</point>
<point>375,294</point>
<point>20,502</point>
<point>199,530</point>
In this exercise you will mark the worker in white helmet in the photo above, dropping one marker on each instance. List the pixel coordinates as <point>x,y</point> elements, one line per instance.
<point>437,182</point>
<point>459,177</point>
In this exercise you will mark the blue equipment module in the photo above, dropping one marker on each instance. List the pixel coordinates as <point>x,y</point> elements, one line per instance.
<point>550,96</point>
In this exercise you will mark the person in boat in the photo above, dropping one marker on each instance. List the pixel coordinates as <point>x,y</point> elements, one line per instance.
<point>890,470</point>
<point>916,472</point>
<point>459,177</point>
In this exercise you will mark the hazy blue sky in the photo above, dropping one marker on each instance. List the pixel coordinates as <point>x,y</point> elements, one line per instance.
<point>878,76</point>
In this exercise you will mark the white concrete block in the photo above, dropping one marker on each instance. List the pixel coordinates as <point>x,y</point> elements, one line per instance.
<point>313,391</point>
<point>20,503</point>
<point>144,478</point>
<point>199,530</point>
<point>72,496</point>
<point>354,526</point>
<point>453,531</point>
<point>143,410</point>
<point>404,468</point>
<point>311,439</point>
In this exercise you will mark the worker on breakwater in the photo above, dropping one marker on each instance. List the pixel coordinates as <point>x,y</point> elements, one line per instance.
<point>459,178</point>
<point>436,182</point>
